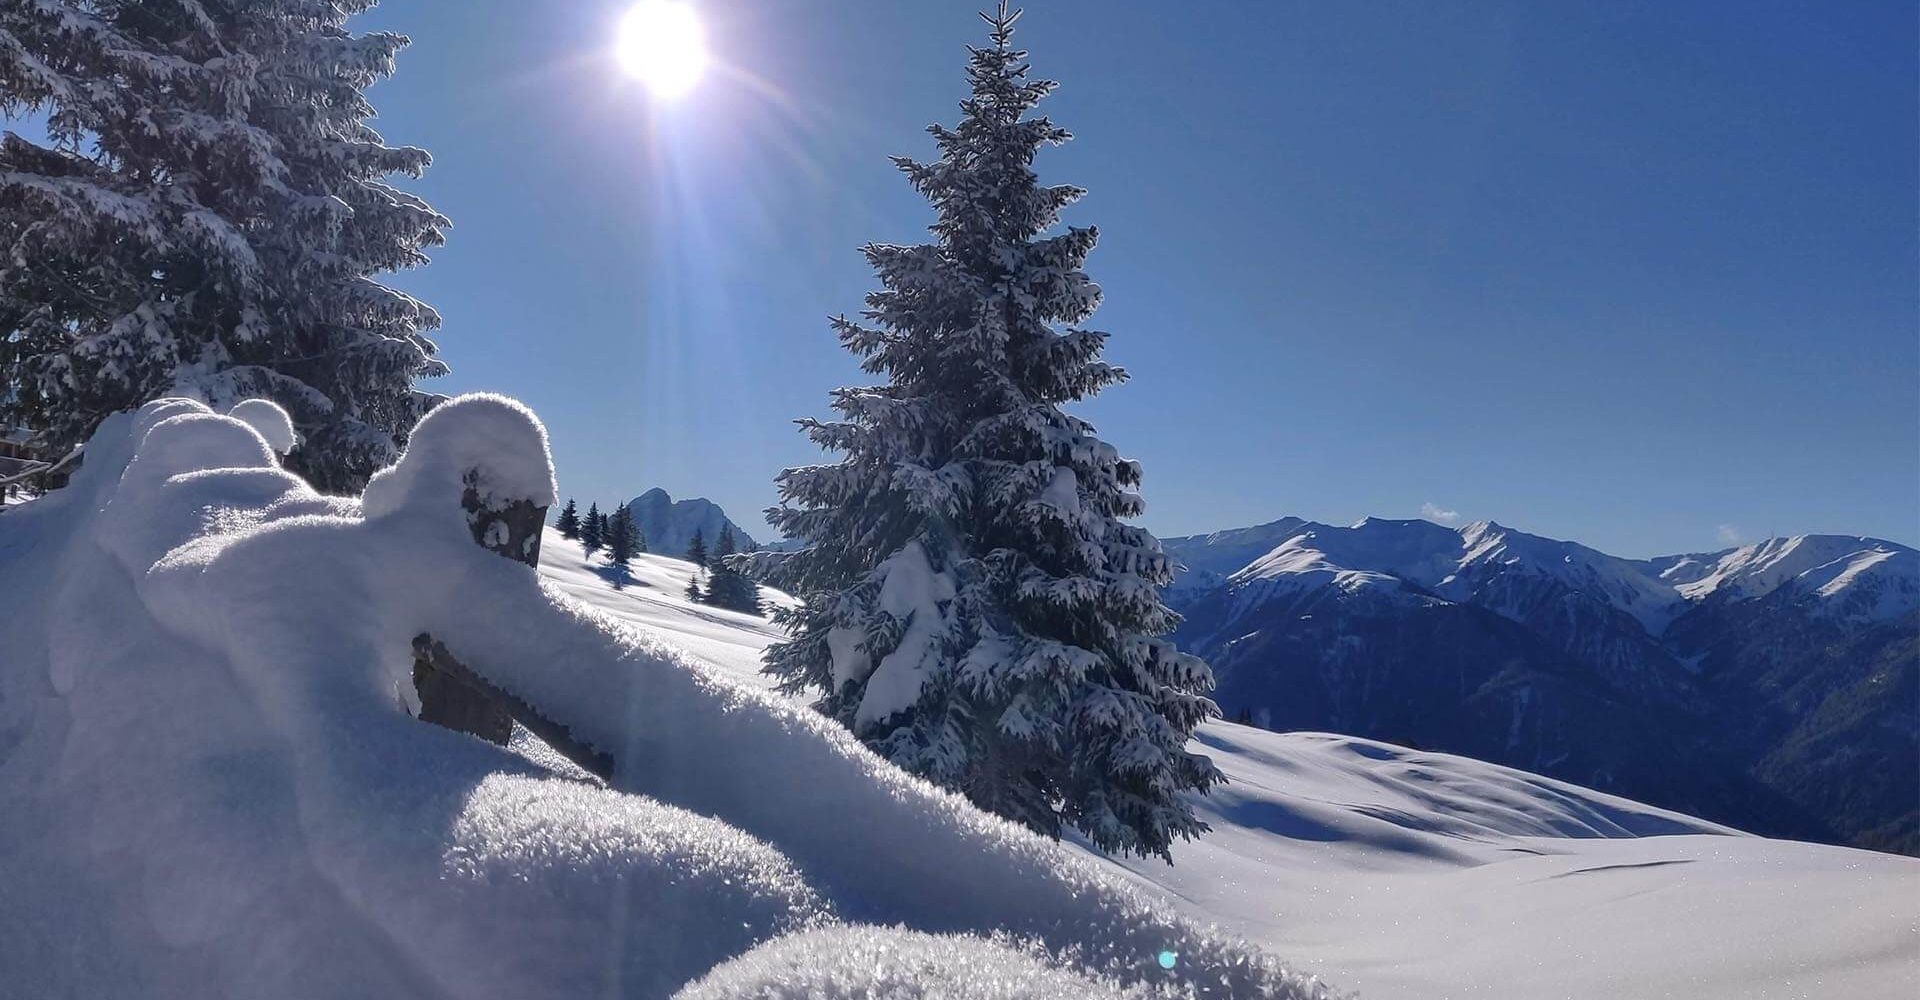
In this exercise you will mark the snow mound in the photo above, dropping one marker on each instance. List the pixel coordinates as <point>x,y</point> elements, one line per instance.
<point>492,435</point>
<point>273,423</point>
<point>213,786</point>
<point>860,963</point>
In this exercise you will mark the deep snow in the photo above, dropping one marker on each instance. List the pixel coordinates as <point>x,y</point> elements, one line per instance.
<point>1418,875</point>
<point>213,786</point>
<point>212,789</point>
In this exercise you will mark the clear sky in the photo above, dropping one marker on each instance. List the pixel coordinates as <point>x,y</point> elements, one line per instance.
<point>1637,274</point>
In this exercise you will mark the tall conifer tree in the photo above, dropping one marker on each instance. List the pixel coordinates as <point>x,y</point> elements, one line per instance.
<point>727,586</point>
<point>590,530</point>
<point>976,607</point>
<point>623,542</point>
<point>209,216</point>
<point>569,523</point>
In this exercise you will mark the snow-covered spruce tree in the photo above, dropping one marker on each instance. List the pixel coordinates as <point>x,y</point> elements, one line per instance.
<point>975,607</point>
<point>569,523</point>
<point>208,217</point>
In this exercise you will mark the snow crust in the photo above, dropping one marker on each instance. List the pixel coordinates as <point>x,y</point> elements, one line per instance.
<point>213,786</point>
<point>845,963</point>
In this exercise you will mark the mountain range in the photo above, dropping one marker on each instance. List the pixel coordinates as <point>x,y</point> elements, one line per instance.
<point>1771,686</point>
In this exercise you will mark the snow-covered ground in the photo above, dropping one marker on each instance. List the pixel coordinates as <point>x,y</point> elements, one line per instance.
<point>212,785</point>
<point>212,788</point>
<point>1420,875</point>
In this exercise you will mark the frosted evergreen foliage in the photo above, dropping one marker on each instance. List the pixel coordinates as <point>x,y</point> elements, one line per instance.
<point>208,217</point>
<point>976,607</point>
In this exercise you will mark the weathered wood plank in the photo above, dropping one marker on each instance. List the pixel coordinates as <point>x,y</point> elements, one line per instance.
<point>434,653</point>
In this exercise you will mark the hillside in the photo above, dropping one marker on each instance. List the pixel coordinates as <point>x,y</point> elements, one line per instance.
<point>1418,875</point>
<point>215,787</point>
<point>1778,672</point>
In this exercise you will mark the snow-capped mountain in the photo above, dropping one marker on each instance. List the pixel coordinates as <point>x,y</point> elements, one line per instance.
<point>669,524</point>
<point>1492,566</point>
<point>1861,578</point>
<point>1554,656</point>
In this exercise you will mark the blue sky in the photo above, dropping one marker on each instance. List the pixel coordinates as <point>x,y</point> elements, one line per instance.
<point>1638,274</point>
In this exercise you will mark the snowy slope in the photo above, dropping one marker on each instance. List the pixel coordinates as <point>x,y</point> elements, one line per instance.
<point>1866,577</point>
<point>655,600</point>
<point>213,786</point>
<point>1205,561</point>
<point>1421,875</point>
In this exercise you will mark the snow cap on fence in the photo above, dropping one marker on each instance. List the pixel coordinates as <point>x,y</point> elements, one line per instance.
<point>495,439</point>
<point>190,438</point>
<point>266,416</point>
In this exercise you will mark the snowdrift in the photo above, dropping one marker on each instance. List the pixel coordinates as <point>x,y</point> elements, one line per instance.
<point>214,786</point>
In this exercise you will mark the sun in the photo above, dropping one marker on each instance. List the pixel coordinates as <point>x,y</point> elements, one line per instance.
<point>662,44</point>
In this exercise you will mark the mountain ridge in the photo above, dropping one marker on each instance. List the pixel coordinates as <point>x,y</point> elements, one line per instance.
<point>669,524</point>
<point>1768,665</point>
<point>1652,589</point>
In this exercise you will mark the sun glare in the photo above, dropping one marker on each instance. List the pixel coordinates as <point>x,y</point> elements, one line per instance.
<point>662,44</point>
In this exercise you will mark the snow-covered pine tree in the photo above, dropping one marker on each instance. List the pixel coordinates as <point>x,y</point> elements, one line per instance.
<point>208,216</point>
<point>697,551</point>
<point>569,523</point>
<point>976,608</point>
<point>590,533</point>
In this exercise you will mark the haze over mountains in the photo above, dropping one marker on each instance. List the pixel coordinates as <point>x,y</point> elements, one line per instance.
<point>1770,686</point>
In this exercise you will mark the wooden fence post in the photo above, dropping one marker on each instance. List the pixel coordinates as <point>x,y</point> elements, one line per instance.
<point>452,699</point>
<point>451,694</point>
